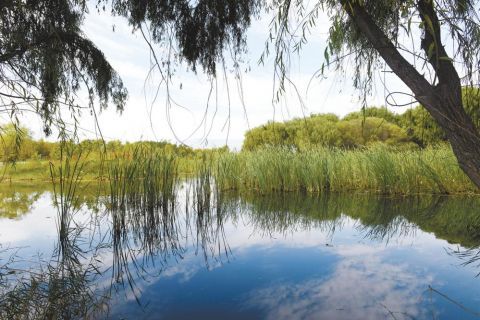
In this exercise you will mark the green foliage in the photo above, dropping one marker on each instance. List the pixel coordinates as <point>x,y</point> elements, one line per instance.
<point>363,132</point>
<point>316,130</point>
<point>271,134</point>
<point>201,29</point>
<point>359,129</point>
<point>377,112</point>
<point>422,128</point>
<point>326,130</point>
<point>471,103</point>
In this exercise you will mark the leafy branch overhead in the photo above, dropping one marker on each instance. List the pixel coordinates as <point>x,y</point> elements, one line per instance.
<point>45,59</point>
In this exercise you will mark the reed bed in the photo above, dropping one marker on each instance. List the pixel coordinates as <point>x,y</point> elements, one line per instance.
<point>144,180</point>
<point>378,169</point>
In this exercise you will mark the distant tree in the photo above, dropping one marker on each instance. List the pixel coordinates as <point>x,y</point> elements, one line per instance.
<point>366,131</point>
<point>471,103</point>
<point>44,149</point>
<point>114,145</point>
<point>421,127</point>
<point>377,112</point>
<point>318,130</point>
<point>271,134</point>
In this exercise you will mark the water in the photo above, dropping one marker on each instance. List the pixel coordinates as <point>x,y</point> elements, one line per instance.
<point>243,256</point>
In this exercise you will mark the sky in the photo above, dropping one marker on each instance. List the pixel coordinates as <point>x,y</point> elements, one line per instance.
<point>225,119</point>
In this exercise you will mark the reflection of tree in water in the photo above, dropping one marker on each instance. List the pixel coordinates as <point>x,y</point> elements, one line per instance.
<point>379,218</point>
<point>15,201</point>
<point>289,213</point>
<point>144,238</point>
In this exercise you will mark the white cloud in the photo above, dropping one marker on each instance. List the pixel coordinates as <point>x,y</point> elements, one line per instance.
<point>362,286</point>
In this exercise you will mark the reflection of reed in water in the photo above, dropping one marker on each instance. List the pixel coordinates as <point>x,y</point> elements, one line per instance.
<point>149,230</point>
<point>66,181</point>
<point>209,214</point>
<point>143,234</point>
<point>142,191</point>
<point>65,286</point>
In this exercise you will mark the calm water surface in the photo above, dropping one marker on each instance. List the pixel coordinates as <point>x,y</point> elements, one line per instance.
<point>249,257</point>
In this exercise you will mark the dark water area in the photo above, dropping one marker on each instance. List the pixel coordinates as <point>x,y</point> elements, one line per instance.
<point>290,256</point>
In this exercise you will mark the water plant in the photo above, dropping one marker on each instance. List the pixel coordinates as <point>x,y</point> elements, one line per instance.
<point>144,179</point>
<point>378,169</point>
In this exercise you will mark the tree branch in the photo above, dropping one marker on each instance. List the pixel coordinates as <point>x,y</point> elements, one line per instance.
<point>433,47</point>
<point>387,50</point>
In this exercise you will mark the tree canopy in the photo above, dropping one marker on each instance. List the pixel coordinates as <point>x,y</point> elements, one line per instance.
<point>353,131</point>
<point>321,130</point>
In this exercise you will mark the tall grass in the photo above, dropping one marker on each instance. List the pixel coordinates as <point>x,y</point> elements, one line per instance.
<point>66,178</point>
<point>147,179</point>
<point>379,170</point>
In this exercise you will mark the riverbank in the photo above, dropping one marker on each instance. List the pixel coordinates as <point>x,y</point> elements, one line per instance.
<point>376,170</point>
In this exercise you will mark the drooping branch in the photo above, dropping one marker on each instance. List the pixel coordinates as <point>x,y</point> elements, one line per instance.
<point>45,55</point>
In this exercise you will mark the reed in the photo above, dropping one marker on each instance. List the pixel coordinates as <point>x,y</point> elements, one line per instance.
<point>145,179</point>
<point>378,169</point>
<point>66,177</point>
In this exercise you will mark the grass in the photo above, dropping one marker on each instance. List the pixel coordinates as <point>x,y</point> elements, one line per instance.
<point>145,180</point>
<point>378,170</point>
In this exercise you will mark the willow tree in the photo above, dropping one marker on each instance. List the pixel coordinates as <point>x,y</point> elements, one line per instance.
<point>408,36</point>
<point>45,60</point>
<point>42,48</point>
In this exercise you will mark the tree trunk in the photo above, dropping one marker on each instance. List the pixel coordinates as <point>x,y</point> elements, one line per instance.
<point>443,101</point>
<point>447,109</point>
